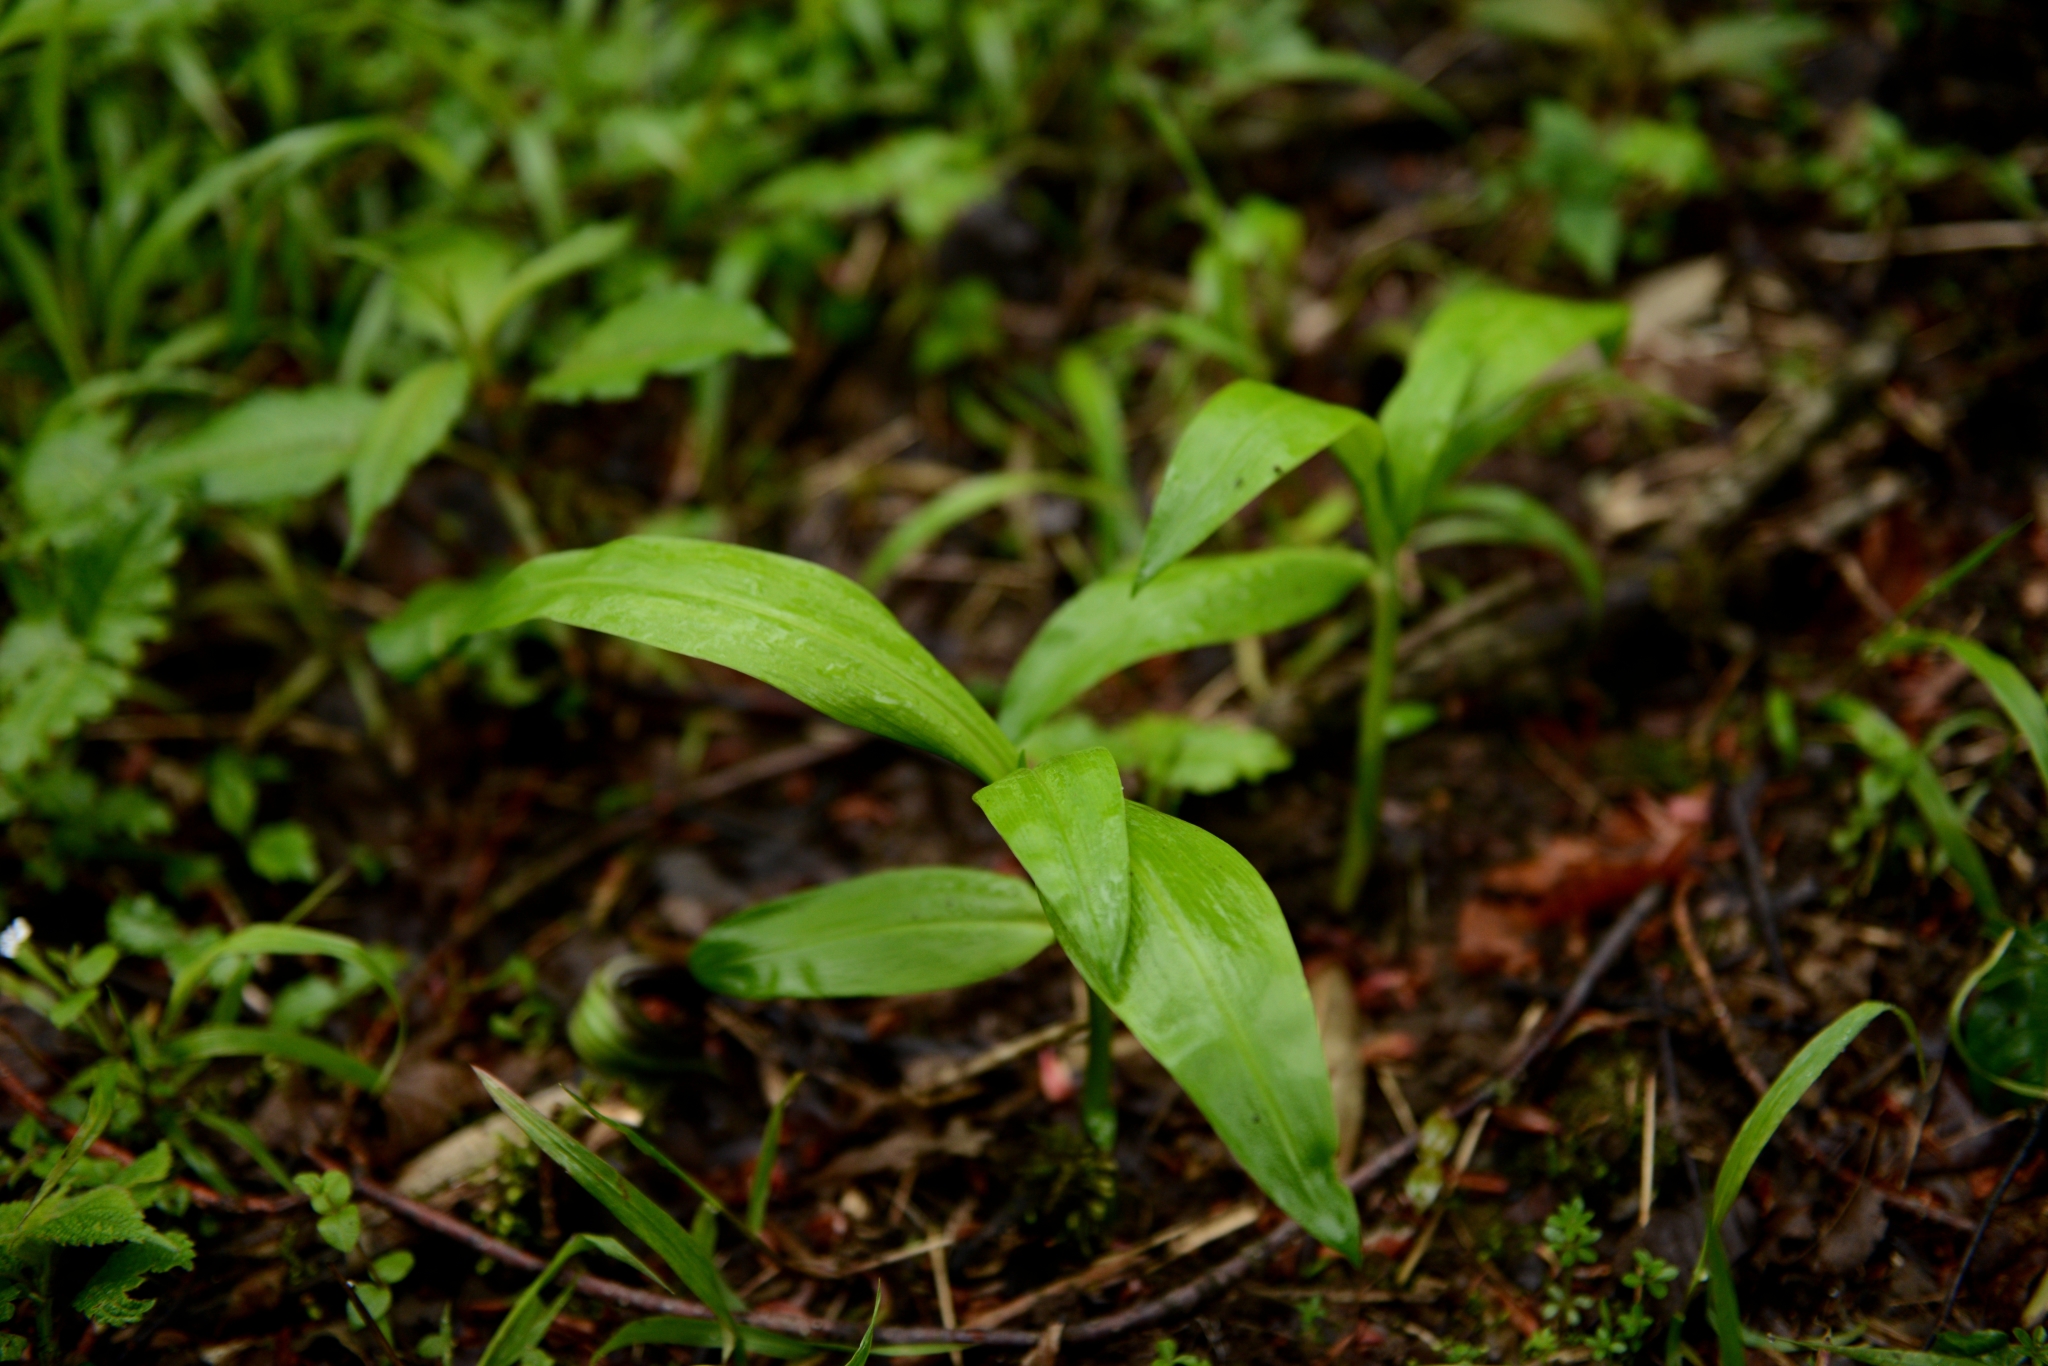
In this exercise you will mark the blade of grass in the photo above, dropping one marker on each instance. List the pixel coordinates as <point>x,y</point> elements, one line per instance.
<point>764,1165</point>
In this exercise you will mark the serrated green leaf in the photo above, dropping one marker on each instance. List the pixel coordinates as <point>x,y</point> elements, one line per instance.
<point>51,689</point>
<point>674,331</point>
<point>647,1220</point>
<point>1214,991</point>
<point>1064,822</point>
<point>410,424</point>
<point>1205,601</point>
<point>1888,747</point>
<point>813,633</point>
<point>1493,514</point>
<point>105,1298</point>
<point>96,1218</point>
<point>275,445</point>
<point>67,470</point>
<point>885,934</point>
<point>1244,439</point>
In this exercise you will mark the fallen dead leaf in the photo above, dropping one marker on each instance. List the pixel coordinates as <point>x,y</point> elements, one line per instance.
<point>1337,1023</point>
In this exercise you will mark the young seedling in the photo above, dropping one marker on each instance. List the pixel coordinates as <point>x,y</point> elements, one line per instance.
<point>1173,931</point>
<point>1472,381</point>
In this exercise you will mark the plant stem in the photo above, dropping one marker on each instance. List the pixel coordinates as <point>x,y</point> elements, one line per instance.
<point>1098,1111</point>
<point>1361,832</point>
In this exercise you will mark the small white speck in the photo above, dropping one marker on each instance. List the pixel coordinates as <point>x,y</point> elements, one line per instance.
<point>13,937</point>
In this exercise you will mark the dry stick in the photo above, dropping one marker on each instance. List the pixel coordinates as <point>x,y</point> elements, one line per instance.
<point>1173,1305</point>
<point>1647,1189</point>
<point>1724,1020</point>
<point>1955,1285</point>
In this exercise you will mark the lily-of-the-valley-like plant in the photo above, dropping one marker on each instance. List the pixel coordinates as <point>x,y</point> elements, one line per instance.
<point>1173,930</point>
<point>1472,380</point>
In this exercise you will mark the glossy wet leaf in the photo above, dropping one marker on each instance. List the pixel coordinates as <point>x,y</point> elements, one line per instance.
<point>813,633</point>
<point>1177,752</point>
<point>1215,992</point>
<point>1064,820</point>
<point>646,1220</point>
<point>673,331</point>
<point>274,445</point>
<point>885,934</point>
<point>1496,514</point>
<point>409,425</point>
<point>1244,439</point>
<point>1206,601</point>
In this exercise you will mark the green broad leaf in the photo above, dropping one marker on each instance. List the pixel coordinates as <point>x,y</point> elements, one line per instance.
<point>2003,1039</point>
<point>272,446</point>
<point>105,1299</point>
<point>1064,820</point>
<point>798,626</point>
<point>885,934</point>
<point>260,939</point>
<point>1888,747</point>
<point>341,1229</point>
<point>1205,601</point>
<point>526,1323</point>
<point>581,250</point>
<point>257,1041</point>
<point>647,1221</point>
<point>1493,514</point>
<point>764,1162</point>
<point>2019,698</point>
<point>1474,356</point>
<point>1215,992</point>
<point>432,622</point>
<point>283,852</point>
<point>678,330</point>
<point>410,424</point>
<point>231,790</point>
<point>681,1332</point>
<point>970,498</point>
<point>1241,442</point>
<point>1777,1102</point>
